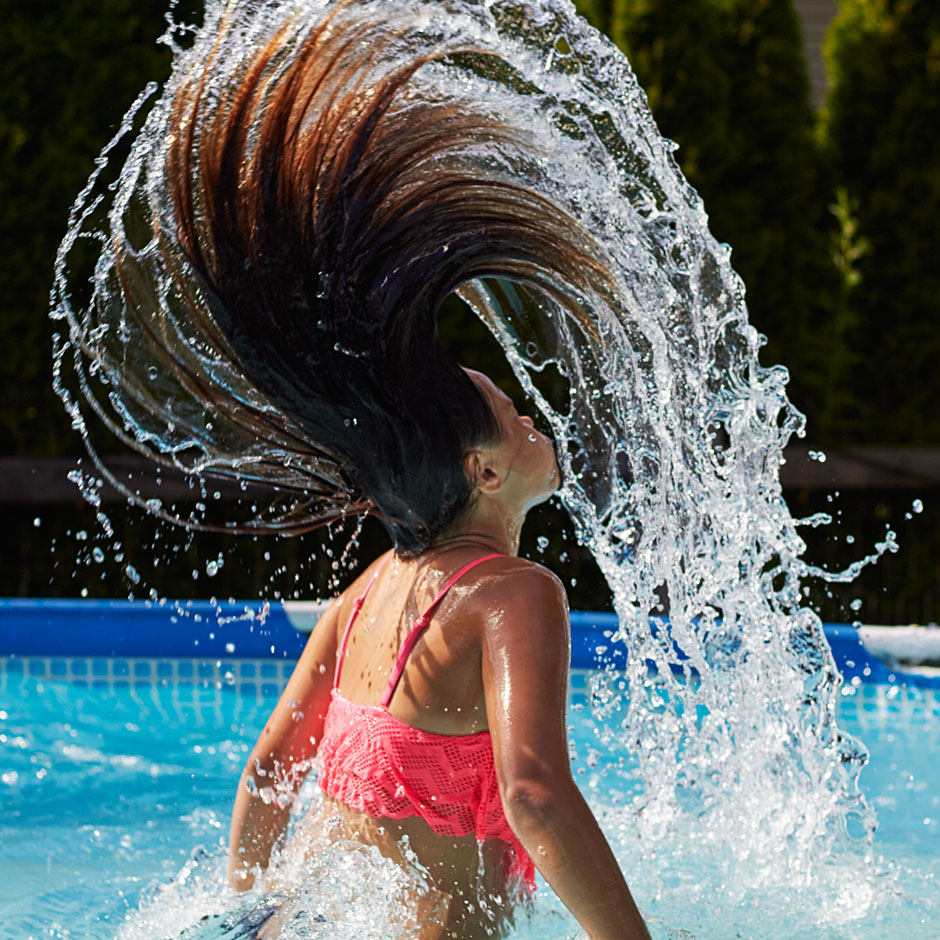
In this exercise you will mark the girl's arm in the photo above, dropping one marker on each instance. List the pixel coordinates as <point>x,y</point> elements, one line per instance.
<point>289,739</point>
<point>526,652</point>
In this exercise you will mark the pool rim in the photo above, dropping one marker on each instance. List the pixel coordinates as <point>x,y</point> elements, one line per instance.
<point>222,630</point>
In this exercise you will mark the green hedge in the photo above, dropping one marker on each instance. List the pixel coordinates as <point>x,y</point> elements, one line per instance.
<point>833,222</point>
<point>882,124</point>
<point>68,72</point>
<point>726,80</point>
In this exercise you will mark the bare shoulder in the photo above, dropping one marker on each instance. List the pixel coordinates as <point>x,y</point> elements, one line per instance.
<point>516,593</point>
<point>524,577</point>
<point>358,586</point>
<point>338,612</point>
<point>525,638</point>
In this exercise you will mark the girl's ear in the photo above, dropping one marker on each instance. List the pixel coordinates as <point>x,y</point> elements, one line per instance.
<point>482,471</point>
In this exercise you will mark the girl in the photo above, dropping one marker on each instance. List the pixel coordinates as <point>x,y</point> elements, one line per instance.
<point>435,690</point>
<point>311,207</point>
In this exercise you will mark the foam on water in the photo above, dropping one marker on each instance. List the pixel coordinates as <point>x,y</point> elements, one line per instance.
<point>670,438</point>
<point>349,892</point>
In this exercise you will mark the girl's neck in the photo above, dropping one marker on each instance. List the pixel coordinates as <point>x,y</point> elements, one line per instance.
<point>488,528</point>
<point>479,540</point>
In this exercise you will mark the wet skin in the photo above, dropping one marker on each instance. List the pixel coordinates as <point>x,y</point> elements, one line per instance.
<point>442,690</point>
<point>494,656</point>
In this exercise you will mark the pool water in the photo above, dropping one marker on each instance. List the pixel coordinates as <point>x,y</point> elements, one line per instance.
<point>117,777</point>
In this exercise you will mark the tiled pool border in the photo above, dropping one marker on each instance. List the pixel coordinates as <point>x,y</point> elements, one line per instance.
<point>222,633</point>
<point>259,680</point>
<point>262,677</point>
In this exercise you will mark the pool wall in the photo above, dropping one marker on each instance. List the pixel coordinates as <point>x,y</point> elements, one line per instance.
<point>220,634</point>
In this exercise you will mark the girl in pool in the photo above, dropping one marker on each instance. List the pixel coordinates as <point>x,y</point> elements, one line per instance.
<point>320,209</point>
<point>434,690</point>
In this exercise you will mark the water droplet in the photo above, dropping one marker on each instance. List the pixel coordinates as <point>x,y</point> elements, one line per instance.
<point>542,543</point>
<point>97,554</point>
<point>917,506</point>
<point>729,533</point>
<point>856,604</point>
<point>132,573</point>
<point>37,522</point>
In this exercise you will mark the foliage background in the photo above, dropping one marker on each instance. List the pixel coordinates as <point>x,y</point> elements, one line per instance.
<point>832,216</point>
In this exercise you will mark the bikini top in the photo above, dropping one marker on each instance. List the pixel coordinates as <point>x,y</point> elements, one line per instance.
<point>377,764</point>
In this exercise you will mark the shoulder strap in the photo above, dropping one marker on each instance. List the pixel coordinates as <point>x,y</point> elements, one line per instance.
<point>420,625</point>
<point>357,606</point>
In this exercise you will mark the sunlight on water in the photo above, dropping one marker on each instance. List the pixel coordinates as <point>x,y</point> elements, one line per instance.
<point>745,800</point>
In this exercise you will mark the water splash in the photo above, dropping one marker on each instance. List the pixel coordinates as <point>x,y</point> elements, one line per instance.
<point>670,436</point>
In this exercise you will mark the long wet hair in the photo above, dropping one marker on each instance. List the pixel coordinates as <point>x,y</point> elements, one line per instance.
<point>327,213</point>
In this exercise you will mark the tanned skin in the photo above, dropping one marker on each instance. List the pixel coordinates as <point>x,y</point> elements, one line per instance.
<point>495,655</point>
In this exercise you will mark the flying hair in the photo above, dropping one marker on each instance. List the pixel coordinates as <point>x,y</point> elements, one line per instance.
<point>320,211</point>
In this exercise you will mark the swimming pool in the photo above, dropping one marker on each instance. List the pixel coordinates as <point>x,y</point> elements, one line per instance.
<point>117,774</point>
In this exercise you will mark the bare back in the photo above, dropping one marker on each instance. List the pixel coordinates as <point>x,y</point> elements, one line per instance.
<point>440,691</point>
<point>441,685</point>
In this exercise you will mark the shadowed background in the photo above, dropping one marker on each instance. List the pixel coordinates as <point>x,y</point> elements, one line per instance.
<point>810,131</point>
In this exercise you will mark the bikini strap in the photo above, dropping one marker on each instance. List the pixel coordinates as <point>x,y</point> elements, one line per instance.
<point>420,625</point>
<point>357,606</point>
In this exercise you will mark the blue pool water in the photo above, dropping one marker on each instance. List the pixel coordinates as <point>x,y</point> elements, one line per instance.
<point>117,775</point>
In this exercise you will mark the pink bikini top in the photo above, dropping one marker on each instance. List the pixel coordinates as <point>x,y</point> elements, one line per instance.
<point>381,766</point>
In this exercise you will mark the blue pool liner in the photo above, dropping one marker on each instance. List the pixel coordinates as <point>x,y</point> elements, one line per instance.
<point>224,630</point>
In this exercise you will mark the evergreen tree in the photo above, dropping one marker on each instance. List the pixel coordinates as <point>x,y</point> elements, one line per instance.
<point>726,80</point>
<point>68,71</point>
<point>882,122</point>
